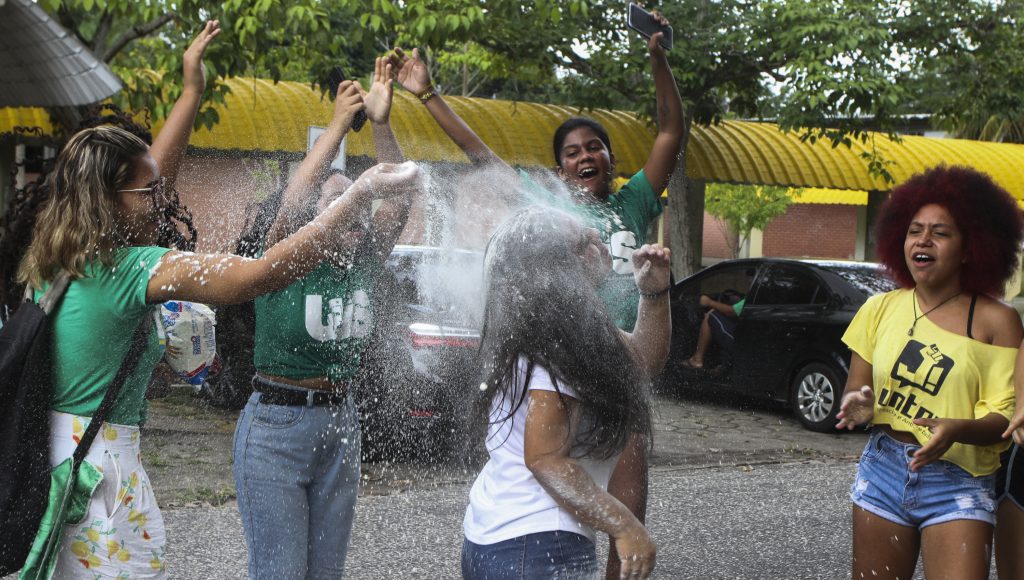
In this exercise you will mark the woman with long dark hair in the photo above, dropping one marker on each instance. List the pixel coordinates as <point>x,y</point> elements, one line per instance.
<point>107,225</point>
<point>564,391</point>
<point>584,161</point>
<point>931,371</point>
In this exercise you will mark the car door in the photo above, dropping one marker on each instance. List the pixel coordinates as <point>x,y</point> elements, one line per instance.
<point>785,306</point>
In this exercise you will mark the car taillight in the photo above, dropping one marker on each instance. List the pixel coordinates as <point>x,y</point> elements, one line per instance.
<point>423,335</point>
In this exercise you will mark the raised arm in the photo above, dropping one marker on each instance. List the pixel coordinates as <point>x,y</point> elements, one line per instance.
<point>228,279</point>
<point>313,171</point>
<point>169,145</point>
<point>390,218</point>
<point>551,423</point>
<point>662,160</point>
<point>649,342</point>
<point>413,75</point>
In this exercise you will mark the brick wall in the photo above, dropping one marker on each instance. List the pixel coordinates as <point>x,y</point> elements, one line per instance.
<point>219,191</point>
<point>813,231</point>
<point>715,236</point>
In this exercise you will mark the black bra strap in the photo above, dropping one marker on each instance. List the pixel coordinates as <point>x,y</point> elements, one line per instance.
<point>970,315</point>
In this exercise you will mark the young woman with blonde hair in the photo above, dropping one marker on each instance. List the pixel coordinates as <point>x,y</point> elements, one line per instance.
<point>106,226</point>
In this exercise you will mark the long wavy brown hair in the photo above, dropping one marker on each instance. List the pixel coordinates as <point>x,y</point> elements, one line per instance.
<point>78,223</point>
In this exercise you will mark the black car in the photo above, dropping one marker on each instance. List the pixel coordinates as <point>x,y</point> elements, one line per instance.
<point>788,337</point>
<point>420,367</point>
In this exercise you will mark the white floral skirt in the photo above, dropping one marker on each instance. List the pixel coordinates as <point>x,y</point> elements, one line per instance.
<point>122,534</point>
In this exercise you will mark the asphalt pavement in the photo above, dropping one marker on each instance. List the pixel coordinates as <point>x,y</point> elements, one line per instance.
<point>735,493</point>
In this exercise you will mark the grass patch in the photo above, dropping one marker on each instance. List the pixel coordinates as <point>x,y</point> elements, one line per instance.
<point>208,495</point>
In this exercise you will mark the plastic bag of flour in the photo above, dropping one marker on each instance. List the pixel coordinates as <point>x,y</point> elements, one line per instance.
<point>190,339</point>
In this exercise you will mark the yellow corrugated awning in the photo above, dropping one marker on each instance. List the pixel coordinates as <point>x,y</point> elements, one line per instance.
<point>259,115</point>
<point>838,196</point>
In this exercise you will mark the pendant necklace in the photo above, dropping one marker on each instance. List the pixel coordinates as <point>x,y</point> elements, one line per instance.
<point>910,331</point>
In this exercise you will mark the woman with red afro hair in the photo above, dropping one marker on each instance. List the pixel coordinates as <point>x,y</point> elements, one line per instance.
<point>932,373</point>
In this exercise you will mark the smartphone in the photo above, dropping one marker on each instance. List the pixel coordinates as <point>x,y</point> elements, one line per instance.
<point>643,22</point>
<point>334,79</point>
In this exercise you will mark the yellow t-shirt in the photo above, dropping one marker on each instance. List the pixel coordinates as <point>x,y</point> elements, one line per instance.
<point>932,374</point>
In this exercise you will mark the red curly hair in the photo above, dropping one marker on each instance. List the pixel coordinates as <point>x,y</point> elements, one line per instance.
<point>986,215</point>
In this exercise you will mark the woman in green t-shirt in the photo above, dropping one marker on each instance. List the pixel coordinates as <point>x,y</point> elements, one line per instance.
<point>111,212</point>
<point>297,500</point>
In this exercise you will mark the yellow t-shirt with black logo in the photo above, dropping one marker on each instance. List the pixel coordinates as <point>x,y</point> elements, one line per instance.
<point>932,374</point>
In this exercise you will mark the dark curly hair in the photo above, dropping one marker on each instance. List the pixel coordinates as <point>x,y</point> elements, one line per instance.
<point>986,215</point>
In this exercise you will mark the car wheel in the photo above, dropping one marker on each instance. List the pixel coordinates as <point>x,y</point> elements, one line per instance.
<point>815,397</point>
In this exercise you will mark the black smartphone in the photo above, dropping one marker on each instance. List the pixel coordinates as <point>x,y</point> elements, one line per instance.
<point>334,79</point>
<point>643,22</point>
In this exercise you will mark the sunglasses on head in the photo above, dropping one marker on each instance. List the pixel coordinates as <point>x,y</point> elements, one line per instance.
<point>155,187</point>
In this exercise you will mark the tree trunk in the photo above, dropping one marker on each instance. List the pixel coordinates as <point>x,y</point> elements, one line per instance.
<point>686,215</point>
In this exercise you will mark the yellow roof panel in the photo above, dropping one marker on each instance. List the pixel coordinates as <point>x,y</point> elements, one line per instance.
<point>837,196</point>
<point>259,115</point>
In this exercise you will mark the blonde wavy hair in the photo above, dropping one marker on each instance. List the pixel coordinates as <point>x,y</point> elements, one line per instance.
<point>78,224</point>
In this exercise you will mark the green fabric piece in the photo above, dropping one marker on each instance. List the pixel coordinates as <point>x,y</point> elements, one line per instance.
<point>738,307</point>
<point>317,326</point>
<point>93,331</point>
<point>68,504</point>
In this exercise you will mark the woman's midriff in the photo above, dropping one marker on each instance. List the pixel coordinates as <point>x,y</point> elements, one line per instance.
<point>312,383</point>
<point>901,436</point>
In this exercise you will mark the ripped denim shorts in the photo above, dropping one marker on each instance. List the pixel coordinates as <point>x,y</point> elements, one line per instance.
<point>936,493</point>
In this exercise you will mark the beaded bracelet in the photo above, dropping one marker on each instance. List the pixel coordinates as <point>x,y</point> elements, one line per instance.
<point>427,95</point>
<point>656,294</point>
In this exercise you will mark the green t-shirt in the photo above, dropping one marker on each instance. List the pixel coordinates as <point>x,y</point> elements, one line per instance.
<point>622,220</point>
<point>317,326</point>
<point>738,307</point>
<point>92,332</point>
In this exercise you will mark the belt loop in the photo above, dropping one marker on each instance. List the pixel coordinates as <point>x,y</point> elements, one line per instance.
<point>310,398</point>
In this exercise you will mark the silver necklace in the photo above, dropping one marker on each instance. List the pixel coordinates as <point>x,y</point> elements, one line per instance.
<point>910,331</point>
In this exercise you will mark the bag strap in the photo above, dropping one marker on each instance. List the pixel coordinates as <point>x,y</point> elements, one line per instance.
<point>128,365</point>
<point>52,295</point>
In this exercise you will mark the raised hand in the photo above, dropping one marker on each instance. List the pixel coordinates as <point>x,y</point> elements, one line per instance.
<point>410,72</point>
<point>348,102</point>
<point>378,100</point>
<point>654,43</point>
<point>857,408</point>
<point>193,71</point>
<point>636,553</point>
<point>651,268</point>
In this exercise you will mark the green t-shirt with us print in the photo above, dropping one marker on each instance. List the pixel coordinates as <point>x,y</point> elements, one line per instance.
<point>93,327</point>
<point>317,326</point>
<point>622,221</point>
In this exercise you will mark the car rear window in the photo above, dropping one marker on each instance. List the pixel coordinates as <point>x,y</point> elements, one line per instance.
<point>867,279</point>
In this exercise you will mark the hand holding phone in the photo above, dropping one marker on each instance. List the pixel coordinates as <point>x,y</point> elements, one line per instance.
<point>646,24</point>
<point>333,80</point>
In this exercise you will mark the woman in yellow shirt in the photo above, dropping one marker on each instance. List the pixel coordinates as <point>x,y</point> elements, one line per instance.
<point>932,372</point>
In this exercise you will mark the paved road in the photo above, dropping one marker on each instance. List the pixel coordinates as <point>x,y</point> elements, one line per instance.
<point>773,521</point>
<point>735,493</point>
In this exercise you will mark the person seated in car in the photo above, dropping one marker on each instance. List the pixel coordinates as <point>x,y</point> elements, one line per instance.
<point>718,325</point>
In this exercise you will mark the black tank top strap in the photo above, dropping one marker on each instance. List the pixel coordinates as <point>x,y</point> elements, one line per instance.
<point>970,315</point>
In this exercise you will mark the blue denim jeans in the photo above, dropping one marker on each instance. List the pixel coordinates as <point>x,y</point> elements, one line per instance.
<point>297,476</point>
<point>934,494</point>
<point>542,556</point>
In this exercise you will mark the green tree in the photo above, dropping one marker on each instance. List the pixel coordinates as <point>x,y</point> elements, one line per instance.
<point>744,208</point>
<point>829,69</point>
